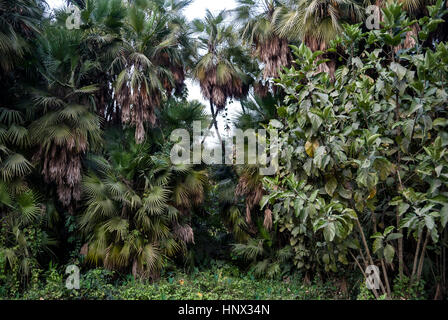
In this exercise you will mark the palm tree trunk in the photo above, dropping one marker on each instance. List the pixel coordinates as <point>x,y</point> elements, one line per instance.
<point>400,188</point>
<point>214,123</point>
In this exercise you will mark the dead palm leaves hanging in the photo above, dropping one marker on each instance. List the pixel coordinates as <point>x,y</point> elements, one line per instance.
<point>275,54</point>
<point>178,74</point>
<point>217,71</point>
<point>64,137</point>
<point>66,127</point>
<point>138,101</point>
<point>250,186</point>
<point>256,19</point>
<point>220,81</point>
<point>151,67</point>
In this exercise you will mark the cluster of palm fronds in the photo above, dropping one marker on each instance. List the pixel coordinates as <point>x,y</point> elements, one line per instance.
<point>269,26</point>
<point>22,215</point>
<point>258,30</point>
<point>151,65</point>
<point>63,90</point>
<point>137,210</point>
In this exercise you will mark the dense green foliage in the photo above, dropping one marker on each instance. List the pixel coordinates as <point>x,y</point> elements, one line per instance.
<point>213,284</point>
<point>362,176</point>
<point>86,177</point>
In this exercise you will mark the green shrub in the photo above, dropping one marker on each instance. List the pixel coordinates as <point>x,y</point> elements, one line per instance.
<point>405,290</point>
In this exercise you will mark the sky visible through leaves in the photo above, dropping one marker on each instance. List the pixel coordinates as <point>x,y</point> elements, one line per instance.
<point>196,10</point>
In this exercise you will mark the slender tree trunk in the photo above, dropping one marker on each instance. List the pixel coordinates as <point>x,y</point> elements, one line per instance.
<point>417,251</point>
<point>363,273</point>
<point>383,265</point>
<point>363,258</point>
<point>369,256</point>
<point>422,258</point>
<point>214,123</point>
<point>209,127</point>
<point>364,241</point>
<point>400,188</point>
<point>444,262</point>
<point>400,249</point>
<point>386,278</point>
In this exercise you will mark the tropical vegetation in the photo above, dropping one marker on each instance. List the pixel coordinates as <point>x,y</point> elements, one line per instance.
<point>86,176</point>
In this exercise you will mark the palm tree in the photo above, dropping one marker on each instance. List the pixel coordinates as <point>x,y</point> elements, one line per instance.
<point>250,187</point>
<point>66,126</point>
<point>137,209</point>
<point>103,24</point>
<point>22,215</point>
<point>256,112</point>
<point>139,206</point>
<point>151,64</point>
<point>217,70</point>
<point>258,31</point>
<point>181,114</point>
<point>266,259</point>
<point>230,207</point>
<point>316,23</point>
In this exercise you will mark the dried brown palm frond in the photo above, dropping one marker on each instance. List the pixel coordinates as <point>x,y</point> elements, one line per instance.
<point>250,187</point>
<point>275,53</point>
<point>220,82</point>
<point>328,67</point>
<point>63,167</point>
<point>138,104</point>
<point>260,89</point>
<point>64,136</point>
<point>316,23</point>
<point>409,41</point>
<point>177,83</point>
<point>84,249</point>
<point>184,233</point>
<point>267,223</point>
<point>179,79</point>
<point>258,31</point>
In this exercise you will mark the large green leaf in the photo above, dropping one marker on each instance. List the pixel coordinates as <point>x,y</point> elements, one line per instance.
<point>331,186</point>
<point>389,253</point>
<point>329,232</point>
